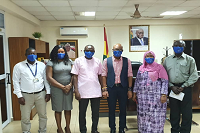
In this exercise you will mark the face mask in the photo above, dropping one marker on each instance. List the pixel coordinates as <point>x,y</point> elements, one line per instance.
<point>149,60</point>
<point>89,54</point>
<point>178,50</point>
<point>61,55</point>
<point>32,57</point>
<point>117,53</point>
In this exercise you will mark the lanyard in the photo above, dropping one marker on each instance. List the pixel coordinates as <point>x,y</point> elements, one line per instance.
<point>32,71</point>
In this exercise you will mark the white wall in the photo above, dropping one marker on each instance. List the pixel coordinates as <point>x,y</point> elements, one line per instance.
<point>16,27</point>
<point>161,35</point>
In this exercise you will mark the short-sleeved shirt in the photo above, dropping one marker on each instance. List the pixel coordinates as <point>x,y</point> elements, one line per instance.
<point>181,70</point>
<point>88,72</point>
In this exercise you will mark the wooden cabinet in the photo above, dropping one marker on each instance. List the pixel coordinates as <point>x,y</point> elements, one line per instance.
<point>17,47</point>
<point>40,46</point>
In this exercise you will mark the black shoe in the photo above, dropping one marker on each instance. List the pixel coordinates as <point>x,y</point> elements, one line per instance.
<point>112,131</point>
<point>122,131</point>
<point>95,132</point>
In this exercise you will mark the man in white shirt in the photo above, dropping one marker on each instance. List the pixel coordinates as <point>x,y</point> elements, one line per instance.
<point>29,79</point>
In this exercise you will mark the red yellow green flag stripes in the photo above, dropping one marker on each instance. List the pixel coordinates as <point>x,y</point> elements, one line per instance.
<point>105,54</point>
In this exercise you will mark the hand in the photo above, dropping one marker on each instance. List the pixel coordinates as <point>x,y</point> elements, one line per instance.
<point>163,99</point>
<point>175,89</point>
<point>105,94</point>
<point>67,88</point>
<point>77,95</point>
<point>130,94</point>
<point>180,89</point>
<point>47,97</point>
<point>134,97</point>
<point>21,101</point>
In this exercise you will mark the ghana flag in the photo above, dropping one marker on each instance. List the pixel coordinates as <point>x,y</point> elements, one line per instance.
<point>105,54</point>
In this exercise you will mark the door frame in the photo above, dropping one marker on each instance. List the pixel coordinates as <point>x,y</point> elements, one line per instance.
<point>5,76</point>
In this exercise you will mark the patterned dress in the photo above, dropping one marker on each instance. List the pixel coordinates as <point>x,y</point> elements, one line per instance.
<point>151,113</point>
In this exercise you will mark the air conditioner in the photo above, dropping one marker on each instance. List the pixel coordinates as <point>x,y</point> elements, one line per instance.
<point>73,31</point>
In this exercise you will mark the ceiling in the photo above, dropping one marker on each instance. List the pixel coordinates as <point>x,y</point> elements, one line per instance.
<point>107,9</point>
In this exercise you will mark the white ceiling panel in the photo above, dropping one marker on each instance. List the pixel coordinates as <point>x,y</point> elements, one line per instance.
<point>45,17</point>
<point>112,3</point>
<point>123,14</point>
<point>58,8</point>
<point>54,3</point>
<point>109,8</point>
<point>83,9</point>
<point>132,9</point>
<point>106,13</point>
<point>159,8</point>
<point>198,8</point>
<point>140,2</point>
<point>123,17</point>
<point>150,13</point>
<point>182,8</point>
<point>84,18</point>
<point>63,13</point>
<point>64,17</point>
<point>184,16</point>
<point>195,16</point>
<point>27,3</point>
<point>190,3</point>
<point>83,3</point>
<point>33,8</point>
<point>193,12</point>
<point>168,3</point>
<point>39,13</point>
<point>106,17</point>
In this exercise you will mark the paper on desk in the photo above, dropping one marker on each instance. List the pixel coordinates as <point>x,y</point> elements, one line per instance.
<point>179,96</point>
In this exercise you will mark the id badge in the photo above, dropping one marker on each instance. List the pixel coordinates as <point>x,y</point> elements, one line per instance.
<point>35,80</point>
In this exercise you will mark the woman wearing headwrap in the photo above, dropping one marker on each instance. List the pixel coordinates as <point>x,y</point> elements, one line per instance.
<point>151,88</point>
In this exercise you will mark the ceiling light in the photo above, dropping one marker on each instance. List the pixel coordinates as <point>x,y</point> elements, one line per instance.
<point>89,13</point>
<point>172,13</point>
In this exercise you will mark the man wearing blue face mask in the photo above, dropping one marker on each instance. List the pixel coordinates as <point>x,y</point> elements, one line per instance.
<point>182,72</point>
<point>87,87</point>
<point>117,85</point>
<point>29,79</point>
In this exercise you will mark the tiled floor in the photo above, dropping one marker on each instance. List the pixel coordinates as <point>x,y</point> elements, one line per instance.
<point>15,126</point>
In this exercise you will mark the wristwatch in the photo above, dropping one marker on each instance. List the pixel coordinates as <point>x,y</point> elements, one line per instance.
<point>129,88</point>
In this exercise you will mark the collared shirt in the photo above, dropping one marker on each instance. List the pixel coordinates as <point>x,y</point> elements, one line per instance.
<point>181,69</point>
<point>88,72</point>
<point>117,65</point>
<point>23,79</point>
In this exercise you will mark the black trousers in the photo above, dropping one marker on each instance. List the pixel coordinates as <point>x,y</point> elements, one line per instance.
<point>119,93</point>
<point>83,103</point>
<point>181,107</point>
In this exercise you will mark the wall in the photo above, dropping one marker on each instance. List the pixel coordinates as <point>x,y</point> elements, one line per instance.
<point>16,27</point>
<point>162,34</point>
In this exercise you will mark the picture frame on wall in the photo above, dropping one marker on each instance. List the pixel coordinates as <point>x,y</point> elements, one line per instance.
<point>71,46</point>
<point>139,38</point>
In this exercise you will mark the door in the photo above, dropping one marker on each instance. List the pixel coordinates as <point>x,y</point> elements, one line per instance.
<point>4,93</point>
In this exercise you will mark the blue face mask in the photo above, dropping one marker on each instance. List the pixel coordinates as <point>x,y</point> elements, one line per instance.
<point>61,55</point>
<point>178,50</point>
<point>89,54</point>
<point>32,57</point>
<point>117,53</point>
<point>149,60</point>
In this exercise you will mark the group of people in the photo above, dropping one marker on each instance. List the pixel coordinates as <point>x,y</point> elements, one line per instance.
<point>35,84</point>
